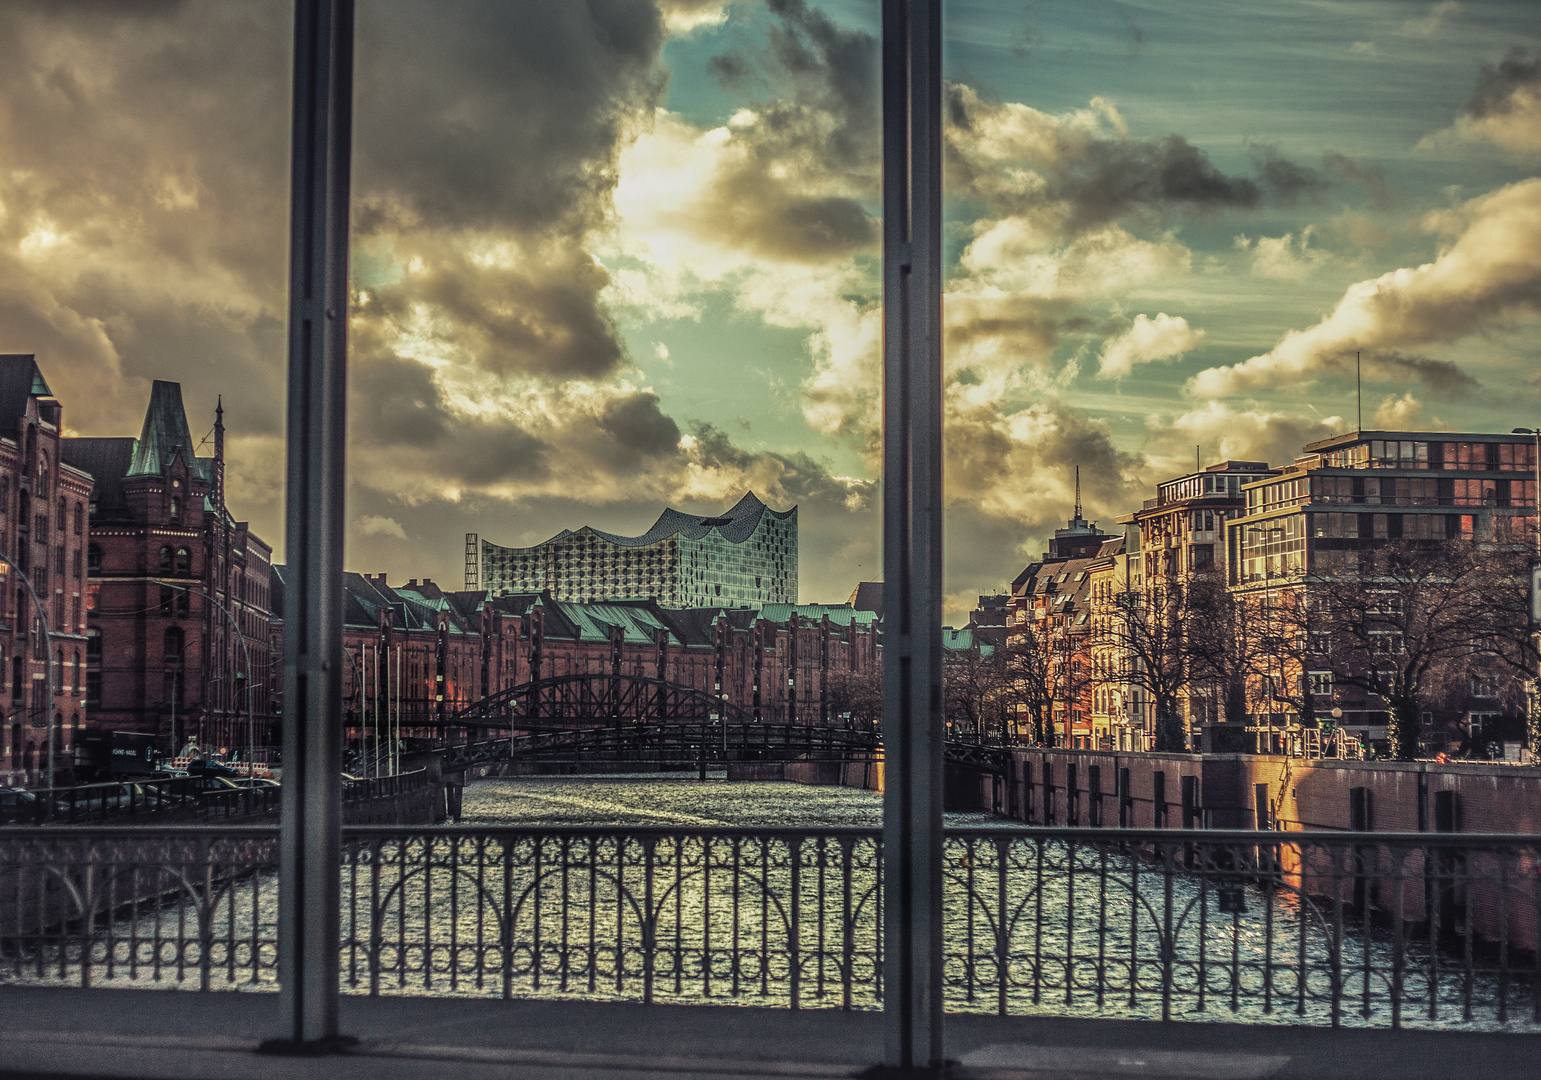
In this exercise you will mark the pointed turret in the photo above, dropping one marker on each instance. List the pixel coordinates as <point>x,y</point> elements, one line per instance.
<point>165,432</point>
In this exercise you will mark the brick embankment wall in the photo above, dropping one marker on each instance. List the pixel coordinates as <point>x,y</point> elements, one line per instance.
<point>1243,791</point>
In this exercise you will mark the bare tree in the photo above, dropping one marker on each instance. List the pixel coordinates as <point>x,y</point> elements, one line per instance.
<point>1392,619</point>
<point>857,696</point>
<point>971,693</point>
<point>1508,642</point>
<point>1028,684</point>
<point>1149,628</point>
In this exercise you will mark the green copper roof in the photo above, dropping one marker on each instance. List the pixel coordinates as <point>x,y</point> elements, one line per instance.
<point>165,430</point>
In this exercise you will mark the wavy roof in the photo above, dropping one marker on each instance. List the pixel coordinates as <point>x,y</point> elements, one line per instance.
<point>736,525</point>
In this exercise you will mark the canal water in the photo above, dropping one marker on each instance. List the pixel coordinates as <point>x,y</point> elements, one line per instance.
<point>669,799</point>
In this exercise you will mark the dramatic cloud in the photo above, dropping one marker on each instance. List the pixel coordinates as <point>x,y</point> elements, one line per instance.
<point>1487,276</point>
<point>1166,337</point>
<point>375,525</point>
<point>1081,170</point>
<point>1505,107</point>
<point>1224,433</point>
<point>1284,258</point>
<point>1403,413</point>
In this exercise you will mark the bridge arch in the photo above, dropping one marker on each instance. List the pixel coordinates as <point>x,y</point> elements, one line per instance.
<point>596,698</point>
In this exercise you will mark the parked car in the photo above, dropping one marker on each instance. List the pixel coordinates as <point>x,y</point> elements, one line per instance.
<point>255,782</point>
<point>17,805</point>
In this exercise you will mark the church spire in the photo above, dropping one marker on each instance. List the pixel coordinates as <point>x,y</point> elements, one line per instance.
<point>219,453</point>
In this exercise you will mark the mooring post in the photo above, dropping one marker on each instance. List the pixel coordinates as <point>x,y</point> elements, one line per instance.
<point>310,826</point>
<point>912,533</point>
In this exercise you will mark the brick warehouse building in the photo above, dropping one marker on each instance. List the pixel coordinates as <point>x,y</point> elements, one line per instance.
<point>417,654</point>
<point>167,562</point>
<point>43,501</point>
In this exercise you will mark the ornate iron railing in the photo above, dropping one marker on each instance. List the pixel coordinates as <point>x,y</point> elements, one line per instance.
<point>1369,929</point>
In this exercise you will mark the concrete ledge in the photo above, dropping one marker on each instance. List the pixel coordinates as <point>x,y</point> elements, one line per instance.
<point>190,1036</point>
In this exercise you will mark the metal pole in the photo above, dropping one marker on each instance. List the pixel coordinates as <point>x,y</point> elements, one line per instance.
<point>310,824</point>
<point>912,533</point>
<point>48,667</point>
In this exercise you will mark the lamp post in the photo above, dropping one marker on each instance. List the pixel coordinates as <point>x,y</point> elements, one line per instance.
<point>48,702</point>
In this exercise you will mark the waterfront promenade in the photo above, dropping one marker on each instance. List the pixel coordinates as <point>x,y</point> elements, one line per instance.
<point>144,1033</point>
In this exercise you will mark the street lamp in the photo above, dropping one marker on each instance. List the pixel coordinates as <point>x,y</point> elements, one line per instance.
<point>48,667</point>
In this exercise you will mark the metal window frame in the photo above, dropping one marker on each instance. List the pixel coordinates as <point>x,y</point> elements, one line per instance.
<point>912,525</point>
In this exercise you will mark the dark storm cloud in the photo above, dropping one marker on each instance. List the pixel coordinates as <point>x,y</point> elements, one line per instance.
<point>397,403</point>
<point>639,425</point>
<point>810,156</point>
<point>145,191</point>
<point>493,115</point>
<point>1093,179</point>
<point>1440,376</point>
<point>1494,92</point>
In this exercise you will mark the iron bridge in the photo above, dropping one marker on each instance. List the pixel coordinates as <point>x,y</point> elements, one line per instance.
<point>589,718</point>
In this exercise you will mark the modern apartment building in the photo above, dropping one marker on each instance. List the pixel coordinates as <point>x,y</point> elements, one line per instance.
<point>745,557</point>
<point>1355,491</point>
<point>1358,491</point>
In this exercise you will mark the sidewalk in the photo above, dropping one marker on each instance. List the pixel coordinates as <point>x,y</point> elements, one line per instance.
<point>189,1036</point>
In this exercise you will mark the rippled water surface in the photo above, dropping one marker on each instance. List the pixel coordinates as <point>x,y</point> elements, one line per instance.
<point>679,799</point>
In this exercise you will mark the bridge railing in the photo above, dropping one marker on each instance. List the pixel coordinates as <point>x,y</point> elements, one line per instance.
<point>1334,928</point>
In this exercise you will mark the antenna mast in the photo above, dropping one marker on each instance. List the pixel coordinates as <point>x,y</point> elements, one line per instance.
<point>1359,390</point>
<point>1078,493</point>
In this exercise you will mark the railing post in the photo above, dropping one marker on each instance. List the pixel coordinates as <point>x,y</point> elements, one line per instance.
<point>310,835</point>
<point>912,532</point>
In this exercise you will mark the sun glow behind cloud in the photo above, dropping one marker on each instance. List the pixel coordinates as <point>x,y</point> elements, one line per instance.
<point>560,234</point>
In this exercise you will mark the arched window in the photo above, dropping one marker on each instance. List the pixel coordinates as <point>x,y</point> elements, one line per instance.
<point>176,509</point>
<point>80,518</point>
<point>75,679</point>
<point>93,560</point>
<point>165,558</point>
<point>173,645</point>
<point>64,509</point>
<point>42,477</point>
<point>59,673</point>
<point>184,560</point>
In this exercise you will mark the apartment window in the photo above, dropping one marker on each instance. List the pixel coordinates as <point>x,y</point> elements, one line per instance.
<point>184,560</point>
<point>1321,683</point>
<point>93,560</point>
<point>93,667</point>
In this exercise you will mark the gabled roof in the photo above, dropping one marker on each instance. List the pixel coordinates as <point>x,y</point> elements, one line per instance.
<point>20,380</point>
<point>839,614</point>
<point>107,460</point>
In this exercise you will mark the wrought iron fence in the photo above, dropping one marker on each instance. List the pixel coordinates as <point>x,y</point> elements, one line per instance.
<point>1320,928</point>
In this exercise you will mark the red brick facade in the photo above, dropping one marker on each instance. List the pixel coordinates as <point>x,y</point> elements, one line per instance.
<point>43,532</point>
<point>172,574</point>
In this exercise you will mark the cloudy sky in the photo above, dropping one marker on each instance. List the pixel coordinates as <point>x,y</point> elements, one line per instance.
<point>615,254</point>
